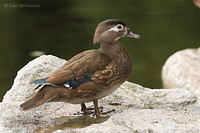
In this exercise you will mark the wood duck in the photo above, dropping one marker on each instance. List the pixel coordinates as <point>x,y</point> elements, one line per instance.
<point>89,75</point>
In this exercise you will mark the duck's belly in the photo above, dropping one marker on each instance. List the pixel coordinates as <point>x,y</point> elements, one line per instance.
<point>89,97</point>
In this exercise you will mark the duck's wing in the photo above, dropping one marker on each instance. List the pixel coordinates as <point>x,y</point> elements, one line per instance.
<point>83,65</point>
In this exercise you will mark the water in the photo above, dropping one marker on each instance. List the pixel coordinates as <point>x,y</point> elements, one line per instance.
<point>65,28</point>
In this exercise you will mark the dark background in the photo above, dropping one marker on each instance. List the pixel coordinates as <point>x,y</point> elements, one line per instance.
<point>65,28</point>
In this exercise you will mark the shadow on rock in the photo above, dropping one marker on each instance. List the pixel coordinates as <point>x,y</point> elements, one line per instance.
<point>73,122</point>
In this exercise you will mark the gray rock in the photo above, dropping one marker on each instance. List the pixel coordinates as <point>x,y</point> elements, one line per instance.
<point>137,109</point>
<point>196,3</point>
<point>182,70</point>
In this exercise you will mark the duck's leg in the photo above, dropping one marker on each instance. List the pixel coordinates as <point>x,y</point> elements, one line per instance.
<point>96,107</point>
<point>98,111</point>
<point>86,110</point>
<point>83,107</point>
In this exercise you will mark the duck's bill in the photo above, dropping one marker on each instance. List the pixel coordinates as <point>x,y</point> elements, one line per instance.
<point>132,35</point>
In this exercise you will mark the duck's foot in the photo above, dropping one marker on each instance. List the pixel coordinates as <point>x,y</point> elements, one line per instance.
<point>107,112</point>
<point>103,114</point>
<point>96,111</point>
<point>89,110</point>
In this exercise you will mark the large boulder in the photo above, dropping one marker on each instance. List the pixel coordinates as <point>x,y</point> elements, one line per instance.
<point>137,109</point>
<point>182,70</point>
<point>197,3</point>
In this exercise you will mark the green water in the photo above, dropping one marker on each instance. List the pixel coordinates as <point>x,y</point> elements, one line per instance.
<point>65,28</point>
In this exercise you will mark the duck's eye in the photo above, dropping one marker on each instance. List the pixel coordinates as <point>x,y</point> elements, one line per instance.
<point>119,27</point>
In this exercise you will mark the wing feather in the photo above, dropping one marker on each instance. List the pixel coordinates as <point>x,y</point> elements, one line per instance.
<point>85,62</point>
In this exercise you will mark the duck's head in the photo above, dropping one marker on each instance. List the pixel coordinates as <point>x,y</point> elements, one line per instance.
<point>109,31</point>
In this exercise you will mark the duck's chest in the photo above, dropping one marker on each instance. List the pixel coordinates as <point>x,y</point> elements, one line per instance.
<point>122,63</point>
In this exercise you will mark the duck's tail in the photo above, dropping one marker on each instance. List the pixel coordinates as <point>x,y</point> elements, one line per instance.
<point>44,95</point>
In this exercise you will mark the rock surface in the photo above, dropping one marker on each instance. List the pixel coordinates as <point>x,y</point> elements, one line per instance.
<point>137,109</point>
<point>197,3</point>
<point>182,70</point>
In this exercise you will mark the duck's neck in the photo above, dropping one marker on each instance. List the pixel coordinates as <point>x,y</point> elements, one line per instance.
<point>117,53</point>
<point>110,49</point>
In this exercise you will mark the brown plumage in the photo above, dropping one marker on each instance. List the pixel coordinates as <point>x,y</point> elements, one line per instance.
<point>90,75</point>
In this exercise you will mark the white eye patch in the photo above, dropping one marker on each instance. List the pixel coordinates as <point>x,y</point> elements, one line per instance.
<point>117,28</point>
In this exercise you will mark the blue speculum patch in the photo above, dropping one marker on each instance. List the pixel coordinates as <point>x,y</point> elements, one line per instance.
<point>75,83</point>
<point>72,84</point>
